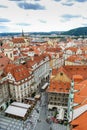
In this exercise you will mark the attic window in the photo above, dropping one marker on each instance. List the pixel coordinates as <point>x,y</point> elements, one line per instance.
<point>75,125</point>
<point>2,65</point>
<point>18,70</point>
<point>1,57</point>
<point>53,87</point>
<point>61,73</point>
<point>67,88</point>
<point>60,88</point>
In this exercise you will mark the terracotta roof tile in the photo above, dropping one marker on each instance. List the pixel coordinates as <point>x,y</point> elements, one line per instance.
<point>19,72</point>
<point>18,40</point>
<point>74,58</point>
<point>81,95</point>
<point>4,61</point>
<point>81,122</point>
<point>58,86</point>
<point>73,49</point>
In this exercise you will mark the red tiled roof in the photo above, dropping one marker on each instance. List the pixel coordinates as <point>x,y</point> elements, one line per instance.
<point>4,61</point>
<point>73,49</point>
<point>81,95</point>
<point>58,87</point>
<point>56,50</point>
<point>76,70</point>
<point>19,72</point>
<point>18,40</point>
<point>73,71</point>
<point>74,58</point>
<point>36,60</point>
<point>77,78</point>
<point>81,122</point>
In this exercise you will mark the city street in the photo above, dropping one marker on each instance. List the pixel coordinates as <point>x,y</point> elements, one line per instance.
<point>36,120</point>
<point>43,125</point>
<point>8,123</point>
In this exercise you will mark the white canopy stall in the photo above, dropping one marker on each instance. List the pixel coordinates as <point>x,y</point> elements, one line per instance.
<point>18,109</point>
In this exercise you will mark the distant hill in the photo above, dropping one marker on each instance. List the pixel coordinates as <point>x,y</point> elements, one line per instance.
<point>10,34</point>
<point>81,31</point>
<point>31,33</point>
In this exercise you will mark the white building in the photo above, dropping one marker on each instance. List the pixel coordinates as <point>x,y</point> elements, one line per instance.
<point>20,82</point>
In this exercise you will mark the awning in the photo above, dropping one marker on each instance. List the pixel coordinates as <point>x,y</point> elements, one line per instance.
<point>45,85</point>
<point>16,111</point>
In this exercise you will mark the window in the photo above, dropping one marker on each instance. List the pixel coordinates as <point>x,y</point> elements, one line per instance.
<point>51,97</point>
<point>55,98</point>
<point>10,54</point>
<point>61,74</point>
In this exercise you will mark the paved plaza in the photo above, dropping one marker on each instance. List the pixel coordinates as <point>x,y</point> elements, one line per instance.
<point>36,120</point>
<point>8,123</point>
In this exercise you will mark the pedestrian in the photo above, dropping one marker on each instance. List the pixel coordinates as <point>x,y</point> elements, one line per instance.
<point>50,128</point>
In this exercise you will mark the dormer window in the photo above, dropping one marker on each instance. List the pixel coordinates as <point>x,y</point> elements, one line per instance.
<point>2,65</point>
<point>61,73</point>
<point>1,57</point>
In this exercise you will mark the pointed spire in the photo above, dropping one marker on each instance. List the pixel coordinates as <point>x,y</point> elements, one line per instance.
<point>22,33</point>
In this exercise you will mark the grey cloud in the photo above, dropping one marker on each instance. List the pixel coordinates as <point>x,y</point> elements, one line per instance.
<point>16,0</point>
<point>57,0</point>
<point>84,24</point>
<point>30,6</point>
<point>36,0</point>
<point>3,28</point>
<point>23,24</point>
<point>67,4</point>
<point>68,17</point>
<point>42,21</point>
<point>3,6</point>
<point>81,0</point>
<point>4,20</point>
<point>84,17</point>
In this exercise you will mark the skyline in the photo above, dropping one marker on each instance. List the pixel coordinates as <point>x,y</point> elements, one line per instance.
<point>42,15</point>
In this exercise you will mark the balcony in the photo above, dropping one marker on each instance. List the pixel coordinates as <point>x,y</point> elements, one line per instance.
<point>33,83</point>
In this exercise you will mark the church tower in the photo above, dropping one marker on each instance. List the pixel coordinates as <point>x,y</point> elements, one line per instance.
<point>22,33</point>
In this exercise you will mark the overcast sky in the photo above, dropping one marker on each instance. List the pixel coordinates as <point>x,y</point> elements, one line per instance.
<point>42,15</point>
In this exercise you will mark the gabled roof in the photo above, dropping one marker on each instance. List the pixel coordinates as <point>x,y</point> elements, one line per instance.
<point>81,96</point>
<point>36,60</point>
<point>74,58</point>
<point>4,61</point>
<point>19,72</point>
<point>73,71</point>
<point>18,40</point>
<point>73,49</point>
<point>55,50</point>
<point>81,121</point>
<point>59,87</point>
<point>76,70</point>
<point>80,111</point>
